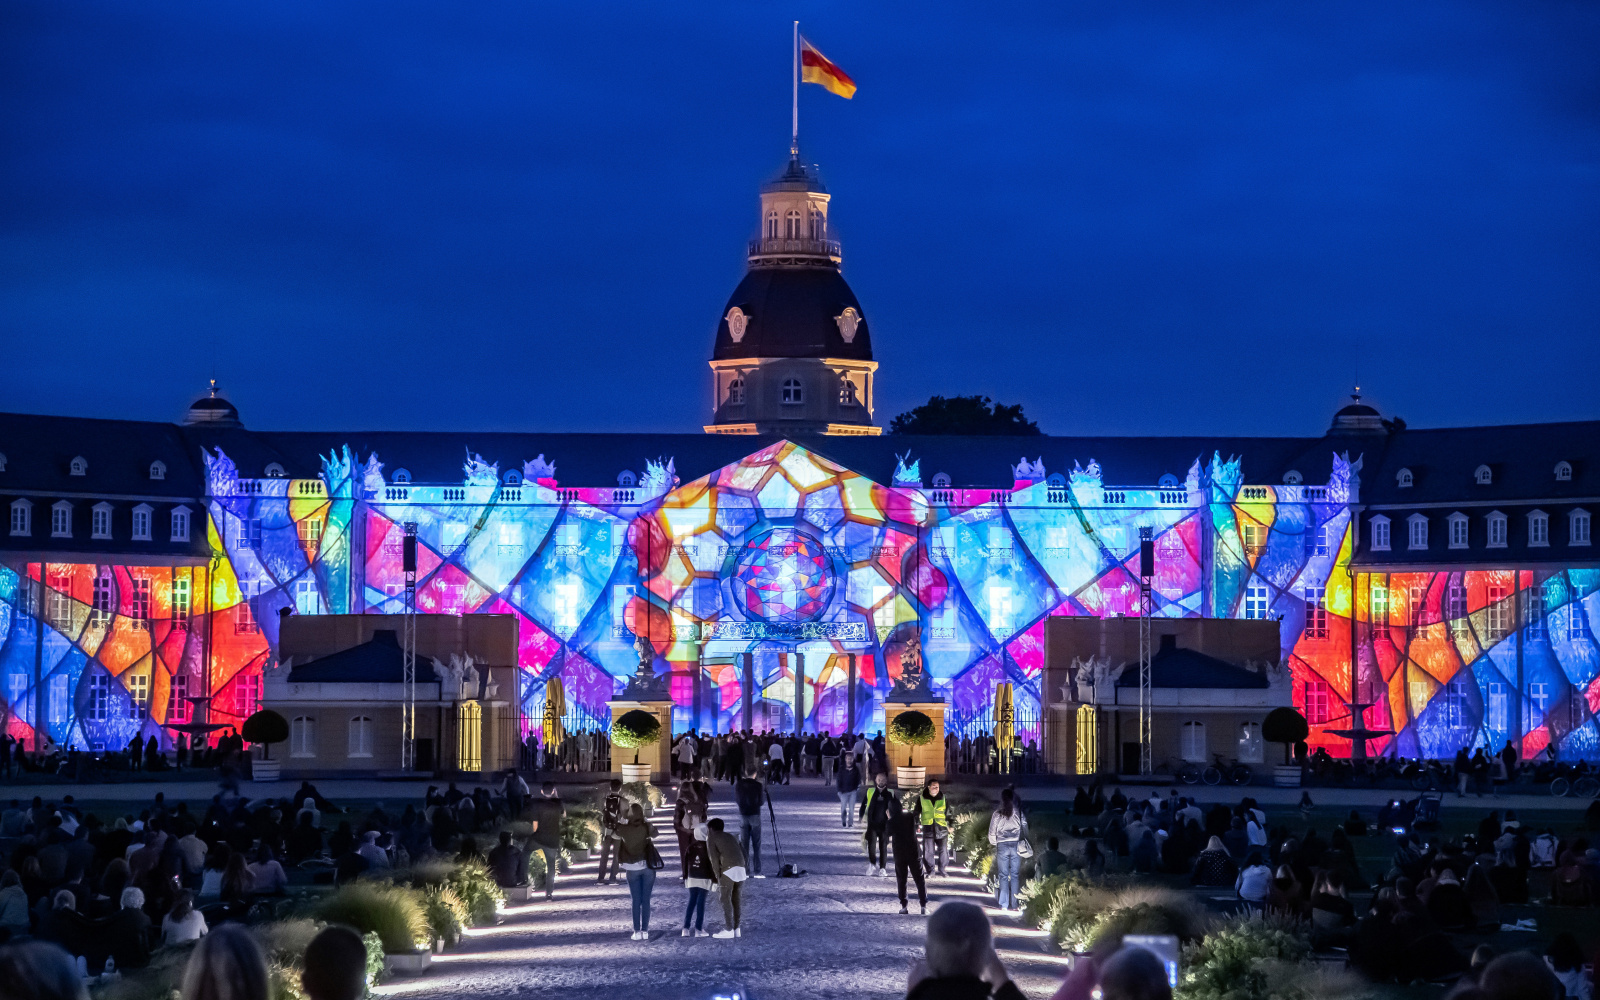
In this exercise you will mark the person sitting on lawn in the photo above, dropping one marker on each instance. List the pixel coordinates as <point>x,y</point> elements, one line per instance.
<point>508,864</point>
<point>1214,867</point>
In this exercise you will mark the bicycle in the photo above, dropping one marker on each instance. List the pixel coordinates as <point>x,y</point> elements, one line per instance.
<point>1236,773</point>
<point>1576,783</point>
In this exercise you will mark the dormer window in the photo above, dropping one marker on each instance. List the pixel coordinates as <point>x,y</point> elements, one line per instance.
<point>1578,527</point>
<point>1167,481</point>
<point>792,391</point>
<point>1458,530</point>
<point>941,480</point>
<point>274,471</point>
<point>1538,528</point>
<point>61,520</point>
<point>1293,478</point>
<point>627,479</point>
<point>1380,534</point>
<point>736,391</point>
<point>847,392</point>
<point>79,466</point>
<point>1404,479</point>
<point>1483,477</point>
<point>402,475</point>
<point>1417,531</point>
<point>180,524</point>
<point>2,461</point>
<point>21,517</point>
<point>513,478</point>
<point>1497,530</point>
<point>141,522</point>
<point>1563,471</point>
<point>100,521</point>
<point>158,470</point>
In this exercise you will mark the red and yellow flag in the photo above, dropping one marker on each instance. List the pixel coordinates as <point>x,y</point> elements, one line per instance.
<point>815,68</point>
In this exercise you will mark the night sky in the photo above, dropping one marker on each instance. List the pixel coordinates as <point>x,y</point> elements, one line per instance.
<point>1133,218</point>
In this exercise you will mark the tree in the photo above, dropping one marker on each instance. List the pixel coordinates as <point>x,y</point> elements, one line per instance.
<point>1286,726</point>
<point>911,729</point>
<point>266,727</point>
<point>964,415</point>
<point>635,730</point>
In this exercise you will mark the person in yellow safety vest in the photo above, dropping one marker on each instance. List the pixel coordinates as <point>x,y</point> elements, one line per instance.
<point>876,810</point>
<point>935,829</point>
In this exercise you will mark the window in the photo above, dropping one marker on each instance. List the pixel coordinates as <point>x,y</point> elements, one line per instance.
<point>1534,612</point>
<point>451,535</point>
<point>1458,531</point>
<point>98,706</point>
<point>819,225</point>
<point>180,602</point>
<point>100,521</point>
<point>735,393</point>
<point>1254,537</point>
<point>247,695</point>
<point>1380,534</point>
<point>791,226</point>
<point>1192,742</point>
<point>1418,525</point>
<point>1317,701</point>
<point>60,699</point>
<point>59,582</point>
<point>847,392</point>
<point>179,708</point>
<point>1378,604</point>
<point>402,475</point>
<point>1538,528</point>
<point>101,610</point>
<point>305,597</point>
<point>1496,697</point>
<point>244,613</point>
<point>1497,615</point>
<point>141,523</point>
<point>21,517</point>
<point>138,694</point>
<point>1455,609</point>
<point>1319,542</point>
<point>772,225</point>
<point>1455,704</point>
<point>1316,613</point>
<point>1255,602</point>
<point>1250,743</point>
<point>1563,472</point>
<point>310,531</point>
<point>180,524</point>
<point>158,470</point>
<point>792,392</point>
<point>61,520</point>
<point>79,466</point>
<point>274,471</point>
<point>1403,479</point>
<point>1483,477</point>
<point>1417,609</point>
<point>1497,530</point>
<point>360,736</point>
<point>1000,609</point>
<point>1539,696</point>
<point>247,533</point>
<point>1088,741</point>
<point>16,693</point>
<point>139,602</point>
<point>303,736</point>
<point>1577,621</point>
<point>469,752</point>
<point>1578,528</point>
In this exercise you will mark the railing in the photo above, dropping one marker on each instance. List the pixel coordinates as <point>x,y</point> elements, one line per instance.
<point>1253,493</point>
<point>567,496</point>
<point>1114,496</point>
<point>511,495</point>
<point>400,493</point>
<point>622,496</point>
<point>942,496</point>
<point>1174,496</point>
<point>817,248</point>
<point>453,494</point>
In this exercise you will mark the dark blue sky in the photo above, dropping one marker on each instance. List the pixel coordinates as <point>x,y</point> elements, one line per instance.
<point>1131,217</point>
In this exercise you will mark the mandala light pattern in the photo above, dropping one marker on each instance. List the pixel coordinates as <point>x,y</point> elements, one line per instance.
<point>785,540</point>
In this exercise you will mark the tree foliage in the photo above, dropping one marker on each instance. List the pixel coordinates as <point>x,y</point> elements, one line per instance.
<point>964,415</point>
<point>1284,725</point>
<point>912,729</point>
<point>266,726</point>
<point>635,729</point>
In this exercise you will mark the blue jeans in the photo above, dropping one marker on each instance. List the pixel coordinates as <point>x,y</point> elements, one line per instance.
<point>640,884</point>
<point>750,841</point>
<point>696,910</point>
<point>847,807</point>
<point>1008,865</point>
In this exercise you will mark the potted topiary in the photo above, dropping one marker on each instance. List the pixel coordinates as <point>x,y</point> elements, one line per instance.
<point>1287,726</point>
<point>634,731</point>
<point>266,727</point>
<point>910,730</point>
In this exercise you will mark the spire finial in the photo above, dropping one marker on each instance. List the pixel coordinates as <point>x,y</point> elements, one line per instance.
<point>213,388</point>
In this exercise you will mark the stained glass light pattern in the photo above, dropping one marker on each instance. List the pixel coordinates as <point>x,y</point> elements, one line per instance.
<point>785,536</point>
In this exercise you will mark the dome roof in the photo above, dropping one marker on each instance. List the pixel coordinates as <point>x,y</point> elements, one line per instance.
<point>794,312</point>
<point>212,411</point>
<point>1357,418</point>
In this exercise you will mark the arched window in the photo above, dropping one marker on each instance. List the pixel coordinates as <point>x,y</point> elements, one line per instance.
<point>158,470</point>
<point>791,227</point>
<point>274,471</point>
<point>303,736</point>
<point>1250,743</point>
<point>772,225</point>
<point>1403,479</point>
<point>1483,476</point>
<point>819,225</point>
<point>1192,742</point>
<point>1167,481</point>
<point>402,475</point>
<point>1293,478</point>
<point>941,480</point>
<point>847,392</point>
<point>736,391</point>
<point>792,391</point>
<point>513,478</point>
<point>80,466</point>
<point>627,479</point>
<point>360,736</point>
<point>1563,472</point>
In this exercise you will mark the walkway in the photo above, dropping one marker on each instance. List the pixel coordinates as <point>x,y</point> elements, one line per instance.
<point>834,933</point>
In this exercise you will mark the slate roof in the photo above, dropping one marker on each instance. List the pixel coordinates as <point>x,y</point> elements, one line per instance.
<point>792,314</point>
<point>1178,667</point>
<point>377,661</point>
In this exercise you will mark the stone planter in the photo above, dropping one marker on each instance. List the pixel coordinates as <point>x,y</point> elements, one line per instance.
<point>1286,776</point>
<point>266,770</point>
<point>579,854</point>
<point>910,777</point>
<point>636,772</point>
<point>408,965</point>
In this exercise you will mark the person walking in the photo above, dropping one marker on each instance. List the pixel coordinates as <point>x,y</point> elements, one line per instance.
<point>848,784</point>
<point>830,757</point>
<point>875,808</point>
<point>610,816</point>
<point>633,856</point>
<point>727,863</point>
<point>1008,828</point>
<point>777,774</point>
<point>547,816</point>
<point>699,882</point>
<point>748,793</point>
<point>935,820</point>
<point>902,830</point>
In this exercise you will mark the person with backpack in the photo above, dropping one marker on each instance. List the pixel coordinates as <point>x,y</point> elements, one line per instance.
<point>935,821</point>
<point>700,879</point>
<point>610,816</point>
<point>689,812</point>
<point>848,784</point>
<point>875,808</point>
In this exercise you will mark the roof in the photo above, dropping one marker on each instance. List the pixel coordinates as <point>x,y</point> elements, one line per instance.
<point>378,661</point>
<point>793,313</point>
<point>1175,666</point>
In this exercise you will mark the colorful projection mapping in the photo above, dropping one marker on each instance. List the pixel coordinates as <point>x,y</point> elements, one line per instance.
<point>816,571</point>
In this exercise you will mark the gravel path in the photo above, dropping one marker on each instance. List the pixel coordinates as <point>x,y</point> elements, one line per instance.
<point>834,933</point>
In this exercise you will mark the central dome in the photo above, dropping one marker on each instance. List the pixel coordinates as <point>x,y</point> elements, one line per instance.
<point>793,312</point>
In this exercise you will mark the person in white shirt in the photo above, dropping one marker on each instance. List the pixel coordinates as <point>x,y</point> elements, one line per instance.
<point>267,877</point>
<point>376,856</point>
<point>1008,827</point>
<point>183,923</point>
<point>1255,880</point>
<point>687,748</point>
<point>1255,833</point>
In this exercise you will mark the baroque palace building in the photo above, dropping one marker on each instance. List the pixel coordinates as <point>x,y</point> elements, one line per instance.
<point>780,562</point>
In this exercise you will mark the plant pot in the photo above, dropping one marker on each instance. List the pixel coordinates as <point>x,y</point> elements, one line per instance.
<point>910,777</point>
<point>580,854</point>
<point>636,772</point>
<point>1286,776</point>
<point>413,964</point>
<point>266,770</point>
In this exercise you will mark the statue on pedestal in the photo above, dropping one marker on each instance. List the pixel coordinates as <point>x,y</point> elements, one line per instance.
<point>644,685</point>
<point>913,683</point>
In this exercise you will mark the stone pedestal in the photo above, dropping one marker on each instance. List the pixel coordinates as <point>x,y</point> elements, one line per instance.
<point>930,755</point>
<point>658,754</point>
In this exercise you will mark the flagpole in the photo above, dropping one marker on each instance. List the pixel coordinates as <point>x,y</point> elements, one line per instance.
<point>794,139</point>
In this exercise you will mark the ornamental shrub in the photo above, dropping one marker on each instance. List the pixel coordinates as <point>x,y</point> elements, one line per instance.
<point>911,729</point>
<point>1227,964</point>
<point>644,793</point>
<point>635,730</point>
<point>393,912</point>
<point>580,829</point>
<point>266,727</point>
<point>447,914</point>
<point>1284,725</point>
<point>476,888</point>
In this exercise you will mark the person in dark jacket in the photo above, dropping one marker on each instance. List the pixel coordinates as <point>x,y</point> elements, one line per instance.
<point>507,863</point>
<point>875,808</point>
<point>547,816</point>
<point>699,882</point>
<point>902,830</point>
<point>1214,867</point>
<point>848,784</point>
<point>610,816</point>
<point>633,852</point>
<point>727,862</point>
<point>748,792</point>
<point>688,813</point>
<point>959,960</point>
<point>129,932</point>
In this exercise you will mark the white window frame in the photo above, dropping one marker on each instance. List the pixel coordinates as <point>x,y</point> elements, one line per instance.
<point>1535,611</point>
<point>181,601</point>
<point>100,521</point>
<point>1192,742</point>
<point>21,518</point>
<point>138,688</point>
<point>1538,529</point>
<point>1496,706</point>
<point>1403,479</point>
<point>1579,528</point>
<point>1458,537</point>
<point>1417,532</point>
<point>1416,604</point>
<point>139,601</point>
<point>360,736</point>
<point>141,522</point>
<point>1497,529</point>
<point>303,736</point>
<point>792,393</point>
<point>1497,613</point>
<point>1577,621</point>
<point>1563,472</point>
<point>1380,533</point>
<point>1319,702</point>
<point>79,466</point>
<point>1456,609</point>
<point>735,393</point>
<point>179,708</point>
<point>1257,602</point>
<point>307,601</point>
<point>1483,475</point>
<point>1250,749</point>
<point>98,707</point>
<point>61,519</point>
<point>104,603</point>
<point>1378,603</point>
<point>158,470</point>
<point>1316,613</point>
<point>247,692</point>
<point>1539,697</point>
<point>180,524</point>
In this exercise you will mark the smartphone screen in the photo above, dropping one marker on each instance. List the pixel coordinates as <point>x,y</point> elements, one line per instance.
<point>1162,946</point>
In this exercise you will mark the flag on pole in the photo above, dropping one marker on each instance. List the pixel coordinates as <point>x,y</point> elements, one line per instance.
<point>815,68</point>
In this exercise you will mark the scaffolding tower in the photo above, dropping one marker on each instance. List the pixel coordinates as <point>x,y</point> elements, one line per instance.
<point>1147,569</point>
<point>408,650</point>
